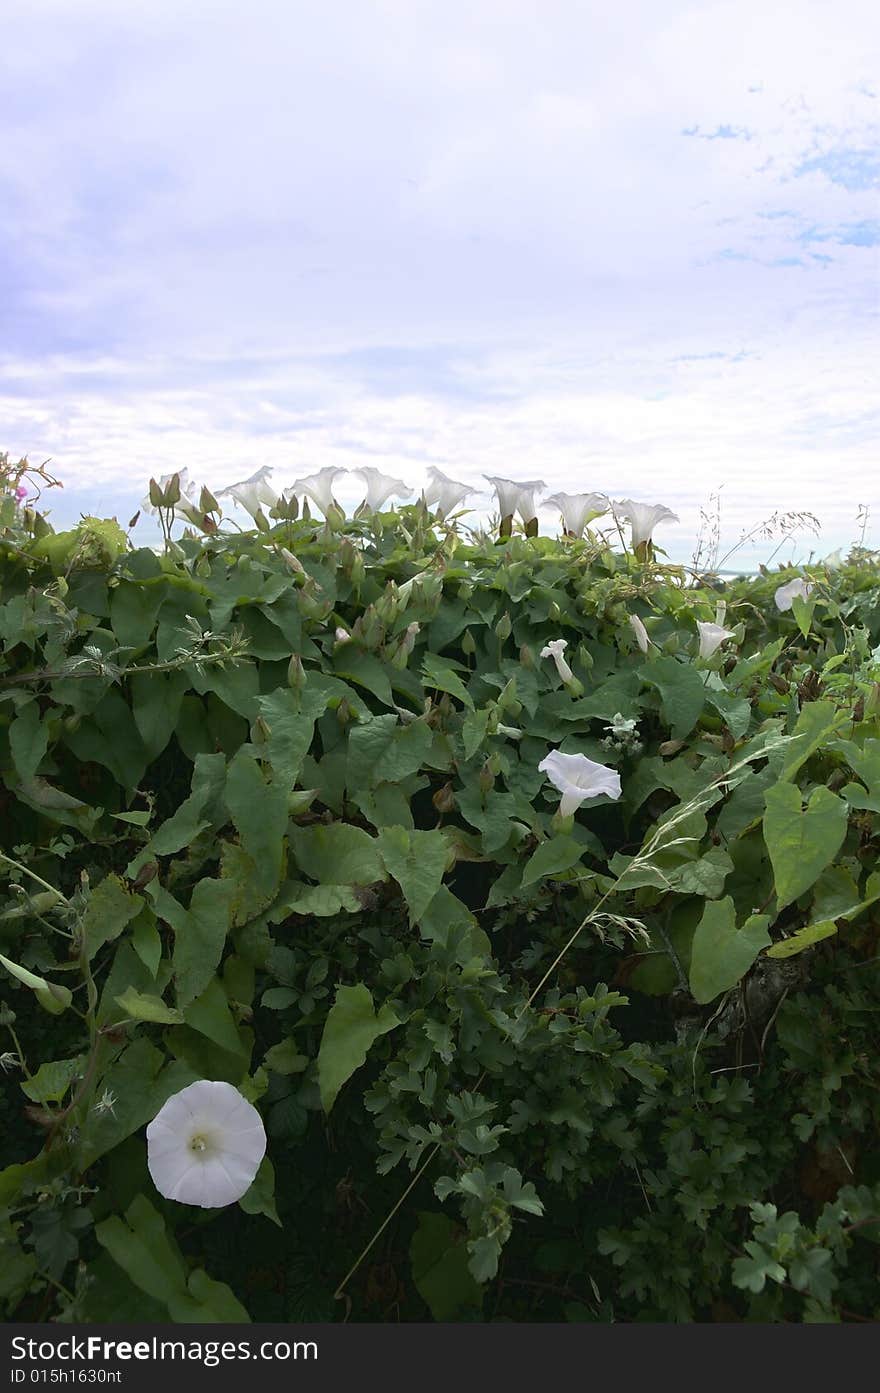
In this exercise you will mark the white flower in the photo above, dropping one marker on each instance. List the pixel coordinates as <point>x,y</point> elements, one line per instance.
<point>711,637</point>
<point>642,517</point>
<point>513,732</point>
<point>834,559</point>
<point>578,778</point>
<point>620,725</point>
<point>555,651</point>
<point>380,487</point>
<point>445,493</point>
<point>786,593</point>
<point>252,493</point>
<point>318,486</point>
<point>516,496</point>
<point>578,509</point>
<point>342,635</point>
<point>640,632</point>
<point>205,1145</point>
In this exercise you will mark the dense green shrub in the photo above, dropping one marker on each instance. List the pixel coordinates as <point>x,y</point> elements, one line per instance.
<point>271,813</point>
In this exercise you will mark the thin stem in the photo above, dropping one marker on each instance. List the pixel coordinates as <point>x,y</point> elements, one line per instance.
<point>337,1295</point>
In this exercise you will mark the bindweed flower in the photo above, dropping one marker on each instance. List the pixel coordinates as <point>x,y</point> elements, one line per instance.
<point>578,509</point>
<point>711,637</point>
<point>20,493</point>
<point>205,1145</point>
<point>512,732</point>
<point>251,494</point>
<point>640,632</point>
<point>380,487</point>
<point>555,650</point>
<point>578,779</point>
<point>445,493</point>
<point>342,635</point>
<point>318,487</point>
<point>642,518</point>
<point>515,496</point>
<point>786,593</point>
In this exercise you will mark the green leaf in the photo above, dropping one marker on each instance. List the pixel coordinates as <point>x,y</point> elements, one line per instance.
<point>259,812</point>
<point>285,1058</point>
<point>801,939</point>
<point>350,1030</point>
<point>146,940</point>
<point>28,741</point>
<point>417,861</point>
<point>260,1198</point>
<point>751,1273</point>
<point>383,750</point>
<point>439,1259</point>
<point>193,815</point>
<point>473,730</point>
<point>140,1245</point>
<point>52,1080</point>
<point>320,900</point>
<point>210,1015</point>
<point>337,854</point>
<point>366,670</point>
<point>290,717</point>
<point>816,723</point>
<point>721,954</point>
<point>140,1085</point>
<point>557,854</point>
<point>199,933</point>
<point>801,843</point>
<point>110,907</point>
<point>682,693</point>
<point>440,674</point>
<point>142,1006</point>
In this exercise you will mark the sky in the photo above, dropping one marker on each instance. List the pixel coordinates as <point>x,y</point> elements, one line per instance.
<point>628,248</point>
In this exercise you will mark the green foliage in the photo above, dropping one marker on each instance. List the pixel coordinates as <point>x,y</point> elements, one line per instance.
<point>624,1059</point>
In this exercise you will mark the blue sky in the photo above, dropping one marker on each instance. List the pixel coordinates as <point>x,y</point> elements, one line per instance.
<point>628,248</point>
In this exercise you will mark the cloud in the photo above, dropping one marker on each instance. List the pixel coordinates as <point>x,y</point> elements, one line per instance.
<point>500,236</point>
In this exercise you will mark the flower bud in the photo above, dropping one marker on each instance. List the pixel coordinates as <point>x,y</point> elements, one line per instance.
<point>486,779</point>
<point>344,713</point>
<point>444,799</point>
<point>468,645</point>
<point>526,656</point>
<point>503,627</point>
<point>296,674</point>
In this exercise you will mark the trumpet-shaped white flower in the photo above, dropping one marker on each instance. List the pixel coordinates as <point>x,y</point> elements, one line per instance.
<point>318,486</point>
<point>380,487</point>
<point>834,559</point>
<point>640,632</point>
<point>205,1145</point>
<point>555,650</point>
<point>445,493</point>
<point>786,593</point>
<point>578,778</point>
<point>578,509</point>
<point>516,496</point>
<point>711,637</point>
<point>642,518</point>
<point>253,493</point>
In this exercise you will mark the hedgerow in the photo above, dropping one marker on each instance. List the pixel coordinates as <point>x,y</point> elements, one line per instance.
<point>273,813</point>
